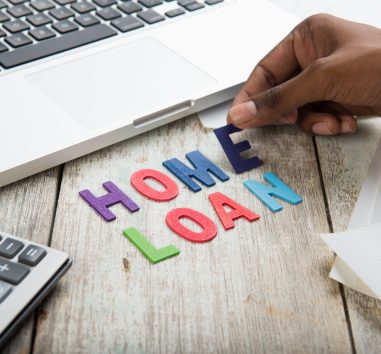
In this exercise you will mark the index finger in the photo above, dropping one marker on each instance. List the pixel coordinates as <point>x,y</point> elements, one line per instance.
<point>277,66</point>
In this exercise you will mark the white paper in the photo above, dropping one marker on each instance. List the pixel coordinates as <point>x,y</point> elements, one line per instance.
<point>215,117</point>
<point>367,211</point>
<point>360,250</point>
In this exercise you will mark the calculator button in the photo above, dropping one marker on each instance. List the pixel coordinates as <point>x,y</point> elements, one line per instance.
<point>32,255</point>
<point>12,272</point>
<point>10,247</point>
<point>5,290</point>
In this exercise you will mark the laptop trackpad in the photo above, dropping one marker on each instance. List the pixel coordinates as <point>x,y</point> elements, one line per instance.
<point>121,82</point>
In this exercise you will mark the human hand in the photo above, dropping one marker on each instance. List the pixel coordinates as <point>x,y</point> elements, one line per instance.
<point>321,76</point>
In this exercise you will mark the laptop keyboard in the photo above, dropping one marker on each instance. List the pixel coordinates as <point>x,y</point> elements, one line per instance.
<point>31,30</point>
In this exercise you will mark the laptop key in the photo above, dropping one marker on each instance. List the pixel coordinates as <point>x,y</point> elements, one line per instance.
<point>32,255</point>
<point>15,26</point>
<point>213,2</point>
<point>55,45</point>
<point>12,272</point>
<point>41,5</point>
<point>126,24</point>
<point>3,4</point>
<point>10,247</point>
<point>150,16</point>
<point>150,3</point>
<point>108,13</point>
<point>3,17</point>
<point>104,3</point>
<point>129,7</point>
<point>5,290</point>
<point>19,11</point>
<point>18,40</point>
<point>39,19</point>
<point>16,2</point>
<point>3,47</point>
<point>2,33</point>
<point>64,2</point>
<point>64,26</point>
<point>185,2</point>
<point>41,33</point>
<point>83,7</point>
<point>61,13</point>
<point>194,6</point>
<point>175,12</point>
<point>86,20</point>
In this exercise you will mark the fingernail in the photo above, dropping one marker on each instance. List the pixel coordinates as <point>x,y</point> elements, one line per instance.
<point>243,112</point>
<point>346,128</point>
<point>321,129</point>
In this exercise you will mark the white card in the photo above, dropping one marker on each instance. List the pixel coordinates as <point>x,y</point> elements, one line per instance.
<point>215,117</point>
<point>367,211</point>
<point>360,250</point>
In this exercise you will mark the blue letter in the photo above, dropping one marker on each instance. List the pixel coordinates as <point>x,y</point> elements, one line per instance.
<point>279,189</point>
<point>202,167</point>
<point>233,151</point>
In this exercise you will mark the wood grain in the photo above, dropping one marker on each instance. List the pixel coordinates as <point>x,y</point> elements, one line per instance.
<point>27,210</point>
<point>261,287</point>
<point>344,162</point>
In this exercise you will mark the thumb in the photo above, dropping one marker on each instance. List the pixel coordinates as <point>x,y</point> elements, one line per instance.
<point>279,104</point>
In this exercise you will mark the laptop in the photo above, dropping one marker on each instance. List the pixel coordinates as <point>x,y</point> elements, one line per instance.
<point>365,11</point>
<point>76,76</point>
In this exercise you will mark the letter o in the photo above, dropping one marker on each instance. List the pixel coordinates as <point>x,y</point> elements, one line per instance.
<point>138,182</point>
<point>208,233</point>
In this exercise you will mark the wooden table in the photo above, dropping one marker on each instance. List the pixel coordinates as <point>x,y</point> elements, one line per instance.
<point>262,287</point>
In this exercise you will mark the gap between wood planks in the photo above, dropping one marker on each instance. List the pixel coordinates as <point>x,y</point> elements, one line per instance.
<point>330,226</point>
<point>38,312</point>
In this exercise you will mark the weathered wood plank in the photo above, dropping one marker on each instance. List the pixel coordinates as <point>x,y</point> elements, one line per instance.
<point>344,162</point>
<point>27,210</point>
<point>261,287</point>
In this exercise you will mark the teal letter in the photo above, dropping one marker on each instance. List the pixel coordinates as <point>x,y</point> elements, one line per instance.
<point>279,189</point>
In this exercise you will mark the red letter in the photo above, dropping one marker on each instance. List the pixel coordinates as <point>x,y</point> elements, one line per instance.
<point>171,192</point>
<point>208,233</point>
<point>219,200</point>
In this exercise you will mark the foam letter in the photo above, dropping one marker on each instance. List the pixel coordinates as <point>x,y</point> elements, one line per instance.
<point>202,167</point>
<point>209,228</point>
<point>150,251</point>
<point>279,189</point>
<point>101,204</point>
<point>233,151</point>
<point>138,181</point>
<point>219,201</point>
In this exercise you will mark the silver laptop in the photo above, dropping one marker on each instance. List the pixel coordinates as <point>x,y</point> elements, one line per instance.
<point>77,76</point>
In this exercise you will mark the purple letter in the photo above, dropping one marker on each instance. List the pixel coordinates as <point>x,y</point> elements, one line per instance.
<point>101,204</point>
<point>233,151</point>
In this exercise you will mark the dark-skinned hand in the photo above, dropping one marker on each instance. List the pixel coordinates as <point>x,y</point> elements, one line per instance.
<point>323,75</point>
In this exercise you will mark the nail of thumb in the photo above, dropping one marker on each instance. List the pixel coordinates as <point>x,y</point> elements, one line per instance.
<point>243,113</point>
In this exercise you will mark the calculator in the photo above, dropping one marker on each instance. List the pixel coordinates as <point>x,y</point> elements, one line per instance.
<point>28,271</point>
